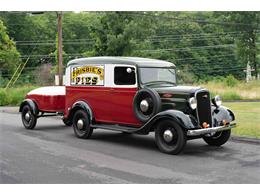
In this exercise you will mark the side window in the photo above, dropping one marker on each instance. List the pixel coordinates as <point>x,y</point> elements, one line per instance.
<point>124,75</point>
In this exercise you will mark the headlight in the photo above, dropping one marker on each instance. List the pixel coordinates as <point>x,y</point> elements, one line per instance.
<point>217,101</point>
<point>193,103</point>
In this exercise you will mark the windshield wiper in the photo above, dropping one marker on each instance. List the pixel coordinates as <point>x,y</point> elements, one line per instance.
<point>158,82</point>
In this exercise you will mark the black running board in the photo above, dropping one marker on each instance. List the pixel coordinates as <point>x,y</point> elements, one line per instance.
<point>144,129</point>
<point>116,128</point>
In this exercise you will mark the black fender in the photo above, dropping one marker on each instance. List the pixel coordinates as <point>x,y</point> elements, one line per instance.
<point>221,113</point>
<point>81,105</point>
<point>184,120</point>
<point>232,115</point>
<point>32,104</point>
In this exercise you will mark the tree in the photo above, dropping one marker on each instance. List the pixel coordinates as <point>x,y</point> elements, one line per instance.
<point>210,44</point>
<point>247,23</point>
<point>110,37</point>
<point>9,56</point>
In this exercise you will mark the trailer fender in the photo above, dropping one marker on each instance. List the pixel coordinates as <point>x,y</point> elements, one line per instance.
<point>32,105</point>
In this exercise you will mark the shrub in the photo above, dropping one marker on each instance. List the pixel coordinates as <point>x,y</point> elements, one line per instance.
<point>185,76</point>
<point>14,96</point>
<point>3,97</point>
<point>231,81</point>
<point>3,81</point>
<point>230,96</point>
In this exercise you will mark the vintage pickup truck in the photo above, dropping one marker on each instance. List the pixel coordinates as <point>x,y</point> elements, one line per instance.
<point>131,95</point>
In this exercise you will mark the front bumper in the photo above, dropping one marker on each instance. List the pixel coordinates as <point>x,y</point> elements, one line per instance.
<point>196,132</point>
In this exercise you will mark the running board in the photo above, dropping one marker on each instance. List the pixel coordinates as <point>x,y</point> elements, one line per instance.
<point>116,128</point>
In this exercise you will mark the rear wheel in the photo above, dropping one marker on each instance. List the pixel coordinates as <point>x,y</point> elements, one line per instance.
<point>28,118</point>
<point>218,139</point>
<point>170,137</point>
<point>81,124</point>
<point>67,122</point>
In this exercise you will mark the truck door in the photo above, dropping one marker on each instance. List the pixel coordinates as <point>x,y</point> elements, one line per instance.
<point>123,90</point>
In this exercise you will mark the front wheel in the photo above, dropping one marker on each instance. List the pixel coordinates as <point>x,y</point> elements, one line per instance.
<point>218,139</point>
<point>28,118</point>
<point>170,137</point>
<point>81,125</point>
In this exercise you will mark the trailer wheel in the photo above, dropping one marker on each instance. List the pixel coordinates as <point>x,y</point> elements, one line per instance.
<point>170,137</point>
<point>28,118</point>
<point>81,124</point>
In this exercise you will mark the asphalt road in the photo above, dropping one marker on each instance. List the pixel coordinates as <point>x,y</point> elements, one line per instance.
<point>52,154</point>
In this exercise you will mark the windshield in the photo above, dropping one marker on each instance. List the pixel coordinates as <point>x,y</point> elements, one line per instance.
<point>151,75</point>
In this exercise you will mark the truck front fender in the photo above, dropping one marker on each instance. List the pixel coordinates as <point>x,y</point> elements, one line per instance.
<point>221,113</point>
<point>184,120</point>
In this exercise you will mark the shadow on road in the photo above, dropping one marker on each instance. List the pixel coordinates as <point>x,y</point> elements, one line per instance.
<point>129,140</point>
<point>50,128</point>
<point>148,143</point>
<point>133,141</point>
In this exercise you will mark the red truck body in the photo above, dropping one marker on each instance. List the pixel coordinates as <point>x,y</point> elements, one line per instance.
<point>103,99</point>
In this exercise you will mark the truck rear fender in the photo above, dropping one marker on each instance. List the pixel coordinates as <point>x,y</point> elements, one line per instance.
<point>81,105</point>
<point>32,104</point>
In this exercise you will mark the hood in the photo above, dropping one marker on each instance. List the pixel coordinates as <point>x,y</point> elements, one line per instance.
<point>188,90</point>
<point>177,97</point>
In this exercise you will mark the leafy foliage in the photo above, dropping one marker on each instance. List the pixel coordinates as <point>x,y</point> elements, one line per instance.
<point>231,81</point>
<point>202,45</point>
<point>9,56</point>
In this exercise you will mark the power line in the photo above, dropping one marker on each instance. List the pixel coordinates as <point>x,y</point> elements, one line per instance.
<point>189,48</point>
<point>65,43</point>
<point>47,56</point>
<point>80,54</point>
<point>66,40</point>
<point>201,34</point>
<point>198,35</point>
<point>216,56</point>
<point>190,19</point>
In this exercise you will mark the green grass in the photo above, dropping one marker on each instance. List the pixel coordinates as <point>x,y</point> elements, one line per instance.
<point>241,91</point>
<point>14,96</point>
<point>247,117</point>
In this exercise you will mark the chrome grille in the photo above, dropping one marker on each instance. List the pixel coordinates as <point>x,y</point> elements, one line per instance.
<point>204,107</point>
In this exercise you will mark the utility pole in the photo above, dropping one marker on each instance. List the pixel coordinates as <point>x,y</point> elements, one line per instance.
<point>60,66</point>
<point>248,72</point>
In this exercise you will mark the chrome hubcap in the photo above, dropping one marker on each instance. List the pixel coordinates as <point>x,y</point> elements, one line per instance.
<point>144,105</point>
<point>80,124</point>
<point>167,135</point>
<point>27,116</point>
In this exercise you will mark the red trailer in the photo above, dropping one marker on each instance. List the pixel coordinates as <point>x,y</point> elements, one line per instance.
<point>48,99</point>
